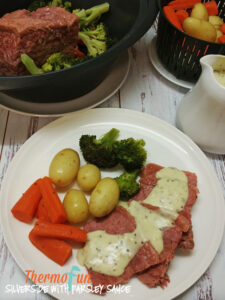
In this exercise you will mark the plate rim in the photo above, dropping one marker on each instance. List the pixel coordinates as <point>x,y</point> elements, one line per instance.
<point>192,147</point>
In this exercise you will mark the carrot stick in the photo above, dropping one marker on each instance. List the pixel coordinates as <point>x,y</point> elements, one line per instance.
<point>222,28</point>
<point>182,15</point>
<point>25,208</point>
<point>60,231</point>
<point>57,250</point>
<point>183,4</point>
<point>221,39</point>
<point>172,17</point>
<point>79,53</point>
<point>42,213</point>
<point>53,205</point>
<point>212,8</point>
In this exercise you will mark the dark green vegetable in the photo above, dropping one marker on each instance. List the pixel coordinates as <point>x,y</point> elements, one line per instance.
<point>99,151</point>
<point>42,3</point>
<point>30,65</point>
<point>36,4</point>
<point>130,153</point>
<point>95,39</point>
<point>128,184</point>
<point>58,61</point>
<point>55,62</point>
<point>92,15</point>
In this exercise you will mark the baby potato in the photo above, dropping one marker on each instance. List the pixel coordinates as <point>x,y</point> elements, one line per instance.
<point>76,206</point>
<point>88,176</point>
<point>104,197</point>
<point>200,12</point>
<point>219,33</point>
<point>64,167</point>
<point>200,29</point>
<point>216,21</point>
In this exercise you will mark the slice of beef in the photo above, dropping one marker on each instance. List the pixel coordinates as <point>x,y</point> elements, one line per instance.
<point>120,221</point>
<point>156,275</point>
<point>149,180</point>
<point>38,34</point>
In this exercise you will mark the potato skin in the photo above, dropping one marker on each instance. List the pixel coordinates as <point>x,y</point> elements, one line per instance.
<point>64,167</point>
<point>88,176</point>
<point>104,197</point>
<point>76,206</point>
<point>200,29</point>
<point>216,21</point>
<point>200,12</point>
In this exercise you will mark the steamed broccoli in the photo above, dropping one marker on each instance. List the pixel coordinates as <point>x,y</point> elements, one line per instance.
<point>99,151</point>
<point>42,3</point>
<point>98,32</point>
<point>55,62</point>
<point>36,4</point>
<point>94,46</point>
<point>58,61</point>
<point>92,15</point>
<point>130,153</point>
<point>30,65</point>
<point>128,184</point>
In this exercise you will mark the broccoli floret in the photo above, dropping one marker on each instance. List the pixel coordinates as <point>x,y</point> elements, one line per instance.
<point>92,15</point>
<point>66,5</point>
<point>30,65</point>
<point>130,153</point>
<point>55,62</point>
<point>58,61</point>
<point>99,32</point>
<point>36,4</point>
<point>99,151</point>
<point>95,47</point>
<point>42,3</point>
<point>128,184</point>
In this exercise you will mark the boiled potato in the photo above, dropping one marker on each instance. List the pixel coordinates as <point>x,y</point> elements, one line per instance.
<point>216,21</point>
<point>64,167</point>
<point>200,12</point>
<point>104,197</point>
<point>88,176</point>
<point>76,206</point>
<point>219,33</point>
<point>200,29</point>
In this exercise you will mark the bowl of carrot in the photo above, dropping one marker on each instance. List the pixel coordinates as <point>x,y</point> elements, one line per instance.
<point>188,30</point>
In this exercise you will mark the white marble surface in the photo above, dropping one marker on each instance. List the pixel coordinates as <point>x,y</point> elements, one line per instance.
<point>153,95</point>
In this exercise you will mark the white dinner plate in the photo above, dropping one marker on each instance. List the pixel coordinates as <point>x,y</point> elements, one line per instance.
<point>106,89</point>
<point>165,145</point>
<point>161,68</point>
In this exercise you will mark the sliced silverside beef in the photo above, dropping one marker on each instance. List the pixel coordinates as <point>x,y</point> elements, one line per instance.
<point>38,34</point>
<point>149,266</point>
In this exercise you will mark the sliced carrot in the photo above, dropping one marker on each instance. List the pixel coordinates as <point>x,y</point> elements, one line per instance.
<point>25,208</point>
<point>53,205</point>
<point>172,17</point>
<point>60,231</point>
<point>212,8</point>
<point>42,213</point>
<point>57,250</point>
<point>183,4</point>
<point>182,15</point>
<point>79,53</point>
<point>221,39</point>
<point>222,28</point>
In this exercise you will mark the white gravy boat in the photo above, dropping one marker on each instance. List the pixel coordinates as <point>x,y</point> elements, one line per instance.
<point>201,114</point>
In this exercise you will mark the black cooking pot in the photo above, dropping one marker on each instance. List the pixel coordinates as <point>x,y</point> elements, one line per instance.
<point>127,21</point>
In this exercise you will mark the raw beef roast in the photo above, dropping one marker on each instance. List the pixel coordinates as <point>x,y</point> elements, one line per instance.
<point>38,34</point>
